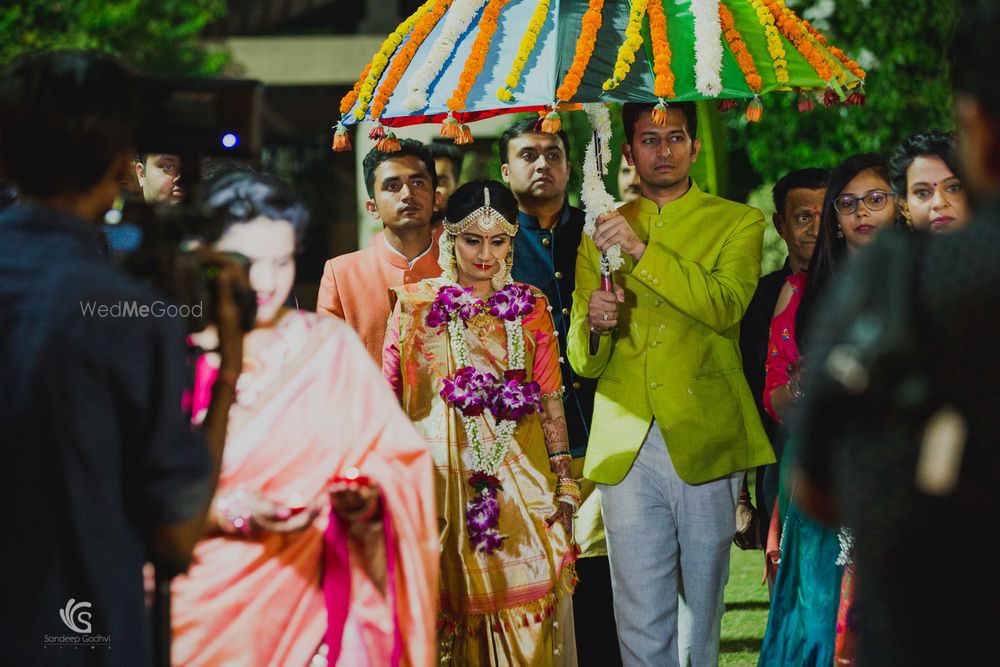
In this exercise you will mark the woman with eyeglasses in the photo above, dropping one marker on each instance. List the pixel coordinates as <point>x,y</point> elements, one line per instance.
<point>804,626</point>
<point>930,196</point>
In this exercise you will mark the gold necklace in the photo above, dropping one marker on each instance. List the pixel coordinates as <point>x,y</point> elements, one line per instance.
<point>482,321</point>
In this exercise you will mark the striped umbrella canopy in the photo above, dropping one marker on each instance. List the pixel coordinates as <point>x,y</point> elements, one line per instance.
<point>456,61</point>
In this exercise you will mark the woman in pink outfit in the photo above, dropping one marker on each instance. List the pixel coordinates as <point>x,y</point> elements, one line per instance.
<point>322,545</point>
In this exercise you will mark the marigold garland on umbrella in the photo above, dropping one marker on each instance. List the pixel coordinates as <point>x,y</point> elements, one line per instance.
<point>527,45</point>
<point>774,46</point>
<point>789,26</point>
<point>837,53</point>
<point>739,50</point>
<point>628,48</point>
<point>370,77</point>
<point>663,82</point>
<point>451,128</point>
<point>352,95</point>
<point>584,50</point>
<point>421,29</point>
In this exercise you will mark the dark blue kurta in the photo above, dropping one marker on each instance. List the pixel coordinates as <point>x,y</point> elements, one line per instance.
<point>546,258</point>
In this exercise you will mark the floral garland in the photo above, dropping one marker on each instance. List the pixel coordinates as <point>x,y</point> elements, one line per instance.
<point>421,28</point>
<point>663,84</point>
<point>628,48</point>
<point>455,24</point>
<point>837,53</point>
<point>352,95</point>
<point>774,45</point>
<point>472,392</point>
<point>594,194</point>
<point>788,23</point>
<point>365,86</point>
<point>584,50</point>
<point>739,50</point>
<point>477,58</point>
<point>707,47</point>
<point>506,94</point>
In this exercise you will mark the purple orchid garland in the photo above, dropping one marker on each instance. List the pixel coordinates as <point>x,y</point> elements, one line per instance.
<point>472,392</point>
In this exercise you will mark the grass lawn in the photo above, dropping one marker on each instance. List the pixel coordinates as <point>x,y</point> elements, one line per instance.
<point>746,610</point>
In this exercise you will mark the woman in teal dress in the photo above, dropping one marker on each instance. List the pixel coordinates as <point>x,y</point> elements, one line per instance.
<point>802,625</point>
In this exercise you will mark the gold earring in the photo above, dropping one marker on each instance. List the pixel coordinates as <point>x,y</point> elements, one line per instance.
<point>502,277</point>
<point>840,231</point>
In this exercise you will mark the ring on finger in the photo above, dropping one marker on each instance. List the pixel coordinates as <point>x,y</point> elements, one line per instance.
<point>605,317</point>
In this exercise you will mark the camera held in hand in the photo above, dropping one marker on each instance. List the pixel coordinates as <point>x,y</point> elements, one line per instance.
<point>167,246</point>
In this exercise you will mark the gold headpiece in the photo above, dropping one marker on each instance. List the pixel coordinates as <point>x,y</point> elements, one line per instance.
<point>486,217</point>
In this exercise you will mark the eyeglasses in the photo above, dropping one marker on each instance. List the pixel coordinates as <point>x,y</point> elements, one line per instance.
<point>874,201</point>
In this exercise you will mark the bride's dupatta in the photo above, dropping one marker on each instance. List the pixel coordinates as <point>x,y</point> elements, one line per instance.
<point>315,408</point>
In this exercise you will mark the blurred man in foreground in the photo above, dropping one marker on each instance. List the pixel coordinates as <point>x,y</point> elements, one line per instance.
<point>105,471</point>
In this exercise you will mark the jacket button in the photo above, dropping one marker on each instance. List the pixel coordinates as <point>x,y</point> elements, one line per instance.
<point>565,311</point>
<point>654,343</point>
<point>656,302</point>
<point>546,241</point>
<point>559,275</point>
<point>656,281</point>
<point>653,385</point>
<point>577,385</point>
<point>659,223</point>
<point>644,273</point>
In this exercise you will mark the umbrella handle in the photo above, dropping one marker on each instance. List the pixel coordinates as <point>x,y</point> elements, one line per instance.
<point>608,286</point>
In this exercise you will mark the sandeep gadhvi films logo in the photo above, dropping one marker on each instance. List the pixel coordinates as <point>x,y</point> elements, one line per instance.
<point>76,617</point>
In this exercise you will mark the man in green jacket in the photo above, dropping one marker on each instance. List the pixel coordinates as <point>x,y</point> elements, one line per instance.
<point>674,424</point>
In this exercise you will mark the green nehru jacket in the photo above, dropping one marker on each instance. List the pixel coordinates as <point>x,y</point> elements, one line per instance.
<point>674,355</point>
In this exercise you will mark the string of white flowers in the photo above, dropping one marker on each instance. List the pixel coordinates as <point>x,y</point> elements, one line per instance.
<point>707,47</point>
<point>488,462</point>
<point>456,22</point>
<point>594,194</point>
<point>446,258</point>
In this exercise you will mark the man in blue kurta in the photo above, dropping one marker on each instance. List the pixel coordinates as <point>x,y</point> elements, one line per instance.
<point>535,165</point>
<point>674,423</point>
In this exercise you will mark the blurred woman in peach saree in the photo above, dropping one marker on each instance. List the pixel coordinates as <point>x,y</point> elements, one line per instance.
<point>322,548</point>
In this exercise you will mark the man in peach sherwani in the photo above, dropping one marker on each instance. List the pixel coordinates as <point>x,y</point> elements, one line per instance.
<point>401,190</point>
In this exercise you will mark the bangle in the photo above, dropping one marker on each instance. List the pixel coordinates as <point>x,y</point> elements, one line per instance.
<point>568,491</point>
<point>555,456</point>
<point>572,502</point>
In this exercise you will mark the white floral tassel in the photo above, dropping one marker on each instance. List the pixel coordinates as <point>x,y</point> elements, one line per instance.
<point>456,22</point>
<point>707,47</point>
<point>594,195</point>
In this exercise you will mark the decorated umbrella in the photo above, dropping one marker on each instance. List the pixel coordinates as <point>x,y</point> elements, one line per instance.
<point>457,61</point>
